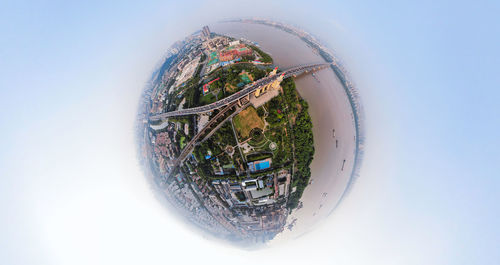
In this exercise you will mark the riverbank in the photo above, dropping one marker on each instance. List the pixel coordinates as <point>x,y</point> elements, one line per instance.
<point>330,109</point>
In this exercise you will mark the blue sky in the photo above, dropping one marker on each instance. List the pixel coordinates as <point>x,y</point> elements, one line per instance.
<point>71,191</point>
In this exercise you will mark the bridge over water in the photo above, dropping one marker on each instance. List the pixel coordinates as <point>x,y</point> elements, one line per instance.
<point>295,71</point>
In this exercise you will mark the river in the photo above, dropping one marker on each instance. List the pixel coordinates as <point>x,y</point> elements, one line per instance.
<point>331,115</point>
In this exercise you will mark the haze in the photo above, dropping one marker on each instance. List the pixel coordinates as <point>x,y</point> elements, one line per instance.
<point>72,191</point>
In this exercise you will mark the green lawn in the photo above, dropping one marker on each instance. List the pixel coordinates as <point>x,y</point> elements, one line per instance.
<point>183,142</point>
<point>207,99</point>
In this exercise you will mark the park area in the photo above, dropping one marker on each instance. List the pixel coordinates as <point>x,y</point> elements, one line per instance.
<point>247,120</point>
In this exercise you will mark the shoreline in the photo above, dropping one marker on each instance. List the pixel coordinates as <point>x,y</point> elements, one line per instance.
<point>332,106</point>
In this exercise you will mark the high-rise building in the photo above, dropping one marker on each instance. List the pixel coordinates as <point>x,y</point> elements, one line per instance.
<point>206,32</point>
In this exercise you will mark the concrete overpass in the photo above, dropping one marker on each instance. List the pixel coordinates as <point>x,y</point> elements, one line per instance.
<point>292,72</point>
<point>190,146</point>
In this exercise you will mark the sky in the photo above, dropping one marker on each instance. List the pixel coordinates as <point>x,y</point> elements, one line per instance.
<point>72,192</point>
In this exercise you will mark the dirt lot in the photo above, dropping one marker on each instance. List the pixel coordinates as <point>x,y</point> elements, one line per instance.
<point>246,120</point>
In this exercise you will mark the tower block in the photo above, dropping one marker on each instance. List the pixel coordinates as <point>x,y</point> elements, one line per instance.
<point>272,85</point>
<point>273,72</point>
<point>277,82</point>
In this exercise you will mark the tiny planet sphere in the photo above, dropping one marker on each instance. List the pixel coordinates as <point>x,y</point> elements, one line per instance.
<point>251,132</point>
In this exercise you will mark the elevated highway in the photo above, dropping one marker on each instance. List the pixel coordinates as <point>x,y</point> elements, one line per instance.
<point>292,72</point>
<point>189,146</point>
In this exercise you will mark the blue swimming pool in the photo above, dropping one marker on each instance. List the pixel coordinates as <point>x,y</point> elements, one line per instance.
<point>262,165</point>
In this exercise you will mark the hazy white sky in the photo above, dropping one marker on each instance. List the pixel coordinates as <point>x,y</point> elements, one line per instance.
<point>71,191</point>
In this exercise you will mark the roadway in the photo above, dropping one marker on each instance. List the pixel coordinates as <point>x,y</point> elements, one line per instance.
<point>240,94</point>
<point>189,146</point>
